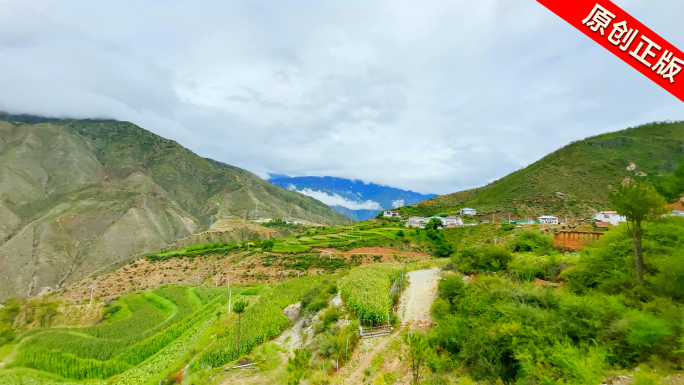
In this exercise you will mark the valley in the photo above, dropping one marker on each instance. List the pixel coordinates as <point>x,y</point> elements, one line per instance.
<point>233,298</point>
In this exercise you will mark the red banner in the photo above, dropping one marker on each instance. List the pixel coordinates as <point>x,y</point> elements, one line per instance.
<point>627,38</point>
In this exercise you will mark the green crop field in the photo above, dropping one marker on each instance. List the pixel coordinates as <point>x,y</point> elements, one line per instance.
<point>366,291</point>
<point>154,320</point>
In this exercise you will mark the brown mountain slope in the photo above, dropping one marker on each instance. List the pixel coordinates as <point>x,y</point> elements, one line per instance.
<point>79,194</point>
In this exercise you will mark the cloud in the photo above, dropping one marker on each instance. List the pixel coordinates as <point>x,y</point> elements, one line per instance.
<point>337,200</point>
<point>397,203</point>
<point>433,98</point>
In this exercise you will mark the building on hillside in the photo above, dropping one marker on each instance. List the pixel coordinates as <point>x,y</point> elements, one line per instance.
<point>262,220</point>
<point>452,221</point>
<point>468,211</point>
<point>391,214</point>
<point>611,217</point>
<point>677,213</point>
<point>548,220</point>
<point>417,222</point>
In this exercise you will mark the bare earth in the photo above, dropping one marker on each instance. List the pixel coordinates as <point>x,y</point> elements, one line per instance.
<point>415,302</point>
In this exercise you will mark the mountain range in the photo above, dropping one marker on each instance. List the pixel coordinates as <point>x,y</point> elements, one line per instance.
<point>354,198</point>
<point>575,180</point>
<point>77,195</point>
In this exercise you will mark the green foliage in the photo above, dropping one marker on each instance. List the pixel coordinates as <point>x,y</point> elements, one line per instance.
<point>418,352</point>
<point>450,288</point>
<point>672,187</point>
<point>486,258</point>
<point>366,291</point>
<point>239,306</point>
<point>298,366</point>
<point>261,321</point>
<point>433,224</point>
<point>532,241</point>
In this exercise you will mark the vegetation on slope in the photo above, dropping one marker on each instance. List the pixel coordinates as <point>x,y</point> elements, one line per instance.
<point>502,326</point>
<point>584,172</point>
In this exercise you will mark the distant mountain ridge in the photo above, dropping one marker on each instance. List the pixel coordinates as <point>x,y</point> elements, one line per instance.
<point>354,198</point>
<point>576,179</point>
<point>76,195</point>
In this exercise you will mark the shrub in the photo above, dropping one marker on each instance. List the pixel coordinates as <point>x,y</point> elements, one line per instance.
<point>483,259</point>
<point>450,288</point>
<point>532,241</point>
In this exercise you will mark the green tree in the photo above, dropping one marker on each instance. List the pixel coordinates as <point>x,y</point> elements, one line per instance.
<point>638,202</point>
<point>433,224</point>
<point>672,187</point>
<point>268,245</point>
<point>298,366</point>
<point>239,307</point>
<point>418,352</point>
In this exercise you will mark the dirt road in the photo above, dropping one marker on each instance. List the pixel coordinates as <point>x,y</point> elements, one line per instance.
<point>415,302</point>
<point>414,310</point>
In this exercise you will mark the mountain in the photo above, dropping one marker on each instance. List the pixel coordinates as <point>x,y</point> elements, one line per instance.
<point>77,195</point>
<point>575,180</point>
<point>354,198</point>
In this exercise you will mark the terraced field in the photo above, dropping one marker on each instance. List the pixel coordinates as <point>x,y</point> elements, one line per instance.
<point>144,328</point>
<point>339,237</point>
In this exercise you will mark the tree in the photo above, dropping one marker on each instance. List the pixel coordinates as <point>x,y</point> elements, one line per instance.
<point>638,202</point>
<point>239,307</point>
<point>268,245</point>
<point>418,352</point>
<point>672,187</point>
<point>299,365</point>
<point>433,224</point>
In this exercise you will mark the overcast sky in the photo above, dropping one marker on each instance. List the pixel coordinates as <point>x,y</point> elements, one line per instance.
<point>432,96</point>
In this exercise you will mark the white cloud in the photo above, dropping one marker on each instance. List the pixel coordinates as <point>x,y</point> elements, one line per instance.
<point>337,200</point>
<point>432,98</point>
<point>398,203</point>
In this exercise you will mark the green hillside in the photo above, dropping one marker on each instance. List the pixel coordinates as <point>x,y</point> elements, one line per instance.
<point>76,195</point>
<point>574,180</point>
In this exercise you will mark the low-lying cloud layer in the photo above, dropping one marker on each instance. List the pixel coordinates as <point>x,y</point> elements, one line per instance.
<point>431,96</point>
<point>338,200</point>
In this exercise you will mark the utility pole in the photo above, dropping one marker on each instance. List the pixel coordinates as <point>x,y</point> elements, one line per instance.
<point>92,289</point>
<point>230,297</point>
<point>198,277</point>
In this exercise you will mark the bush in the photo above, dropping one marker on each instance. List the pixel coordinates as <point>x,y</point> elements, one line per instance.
<point>483,259</point>
<point>450,288</point>
<point>534,242</point>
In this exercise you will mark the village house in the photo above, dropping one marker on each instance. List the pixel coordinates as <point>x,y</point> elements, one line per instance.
<point>611,217</point>
<point>452,221</point>
<point>548,220</point>
<point>391,214</point>
<point>468,211</point>
<point>417,222</point>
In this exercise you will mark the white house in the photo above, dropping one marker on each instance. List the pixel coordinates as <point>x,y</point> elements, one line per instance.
<point>548,220</point>
<point>677,213</point>
<point>611,217</point>
<point>452,221</point>
<point>391,214</point>
<point>468,211</point>
<point>417,222</point>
